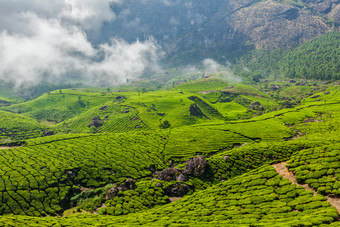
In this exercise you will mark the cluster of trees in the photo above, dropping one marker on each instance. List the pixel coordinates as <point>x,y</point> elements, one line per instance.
<point>316,59</point>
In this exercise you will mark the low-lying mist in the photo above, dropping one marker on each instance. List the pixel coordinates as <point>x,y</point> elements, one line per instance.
<point>48,41</point>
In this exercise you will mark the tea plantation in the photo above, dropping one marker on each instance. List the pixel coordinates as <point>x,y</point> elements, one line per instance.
<point>15,127</point>
<point>195,154</point>
<point>260,196</point>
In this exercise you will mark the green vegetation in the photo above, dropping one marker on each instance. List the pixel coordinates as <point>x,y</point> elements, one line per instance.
<point>17,127</point>
<point>50,170</point>
<point>105,139</point>
<point>318,167</point>
<point>60,105</point>
<point>316,59</point>
<point>260,196</point>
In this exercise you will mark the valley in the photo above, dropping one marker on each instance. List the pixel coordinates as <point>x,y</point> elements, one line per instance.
<point>170,113</point>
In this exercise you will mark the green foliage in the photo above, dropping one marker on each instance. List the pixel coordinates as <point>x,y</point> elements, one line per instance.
<point>229,164</point>
<point>165,124</point>
<point>87,161</point>
<point>206,84</point>
<point>51,174</point>
<point>145,196</point>
<point>15,127</point>
<point>245,200</point>
<point>316,59</point>
<point>318,167</point>
<point>58,106</point>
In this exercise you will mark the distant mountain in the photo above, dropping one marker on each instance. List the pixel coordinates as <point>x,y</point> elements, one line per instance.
<point>188,29</point>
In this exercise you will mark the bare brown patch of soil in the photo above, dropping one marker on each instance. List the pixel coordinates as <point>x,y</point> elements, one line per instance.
<point>208,92</point>
<point>174,199</point>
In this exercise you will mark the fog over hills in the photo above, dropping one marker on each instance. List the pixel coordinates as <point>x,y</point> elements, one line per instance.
<point>111,41</point>
<point>169,113</point>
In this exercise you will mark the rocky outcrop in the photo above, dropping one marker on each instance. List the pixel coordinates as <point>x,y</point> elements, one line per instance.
<point>209,28</point>
<point>328,8</point>
<point>129,184</point>
<point>274,25</point>
<point>96,122</point>
<point>257,106</point>
<point>103,108</point>
<point>275,87</point>
<point>177,190</point>
<point>168,174</point>
<point>196,166</point>
<point>48,133</point>
<point>112,192</point>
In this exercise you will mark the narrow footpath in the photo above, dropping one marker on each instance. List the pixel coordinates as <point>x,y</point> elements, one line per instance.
<point>284,172</point>
<point>6,148</point>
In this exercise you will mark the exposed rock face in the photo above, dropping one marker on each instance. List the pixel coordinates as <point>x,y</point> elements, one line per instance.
<point>329,8</point>
<point>274,87</point>
<point>97,122</point>
<point>207,27</point>
<point>182,177</point>
<point>335,13</point>
<point>274,25</point>
<point>112,193</point>
<point>120,98</point>
<point>48,133</point>
<point>177,190</point>
<point>168,174</point>
<point>196,166</point>
<point>257,106</point>
<point>265,24</point>
<point>226,158</point>
<point>103,107</point>
<point>129,184</point>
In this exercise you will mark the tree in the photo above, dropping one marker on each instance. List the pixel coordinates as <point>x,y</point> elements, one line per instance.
<point>165,124</point>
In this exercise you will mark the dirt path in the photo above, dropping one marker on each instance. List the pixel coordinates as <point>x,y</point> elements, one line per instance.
<point>284,172</point>
<point>174,199</point>
<point>5,148</point>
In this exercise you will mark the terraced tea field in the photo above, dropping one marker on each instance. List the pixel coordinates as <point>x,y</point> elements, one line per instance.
<point>104,166</point>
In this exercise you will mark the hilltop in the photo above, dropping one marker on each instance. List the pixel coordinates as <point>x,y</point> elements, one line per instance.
<point>232,117</point>
<point>114,160</point>
<point>192,31</point>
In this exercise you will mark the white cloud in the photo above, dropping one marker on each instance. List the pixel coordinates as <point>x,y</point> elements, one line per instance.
<point>89,13</point>
<point>47,40</point>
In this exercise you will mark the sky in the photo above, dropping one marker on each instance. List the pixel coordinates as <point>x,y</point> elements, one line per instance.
<point>48,41</point>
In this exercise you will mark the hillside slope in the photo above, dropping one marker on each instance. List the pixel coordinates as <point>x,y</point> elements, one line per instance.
<point>316,59</point>
<point>218,29</point>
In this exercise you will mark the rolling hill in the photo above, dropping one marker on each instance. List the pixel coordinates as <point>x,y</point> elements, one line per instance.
<point>229,171</point>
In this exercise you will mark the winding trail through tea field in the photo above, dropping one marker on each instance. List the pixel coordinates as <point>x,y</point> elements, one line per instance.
<point>284,172</point>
